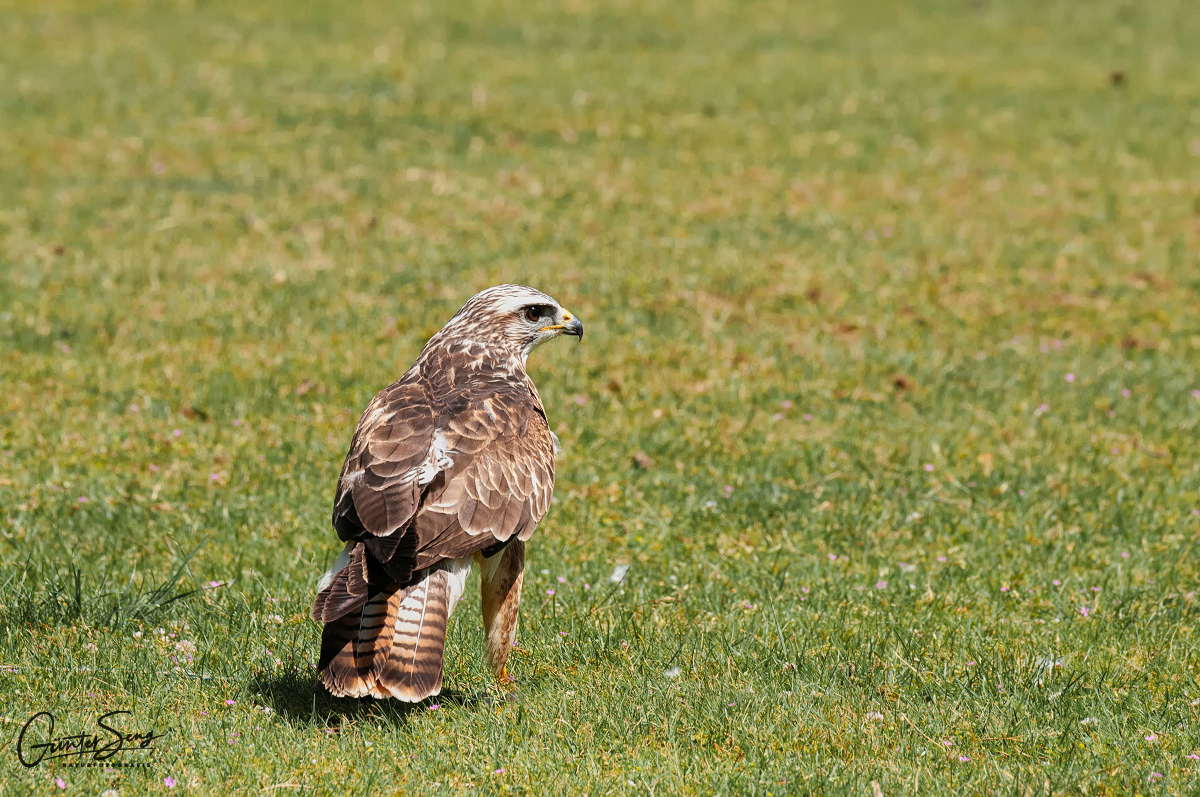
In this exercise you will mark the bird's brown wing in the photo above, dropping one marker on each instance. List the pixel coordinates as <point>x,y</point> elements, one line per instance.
<point>499,486</point>
<point>426,481</point>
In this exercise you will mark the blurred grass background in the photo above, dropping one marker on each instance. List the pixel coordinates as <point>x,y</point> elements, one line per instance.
<point>898,303</point>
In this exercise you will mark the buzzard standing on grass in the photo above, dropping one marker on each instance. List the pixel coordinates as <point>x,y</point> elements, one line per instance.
<point>452,463</point>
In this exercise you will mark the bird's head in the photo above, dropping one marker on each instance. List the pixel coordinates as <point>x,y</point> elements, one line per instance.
<point>513,317</point>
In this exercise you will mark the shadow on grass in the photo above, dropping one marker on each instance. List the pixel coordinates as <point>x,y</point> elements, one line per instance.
<point>301,698</point>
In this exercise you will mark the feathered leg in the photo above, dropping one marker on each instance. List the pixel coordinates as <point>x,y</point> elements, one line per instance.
<point>500,584</point>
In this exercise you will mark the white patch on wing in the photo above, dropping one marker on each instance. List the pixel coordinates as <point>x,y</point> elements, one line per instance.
<point>437,461</point>
<point>339,563</point>
<point>557,445</point>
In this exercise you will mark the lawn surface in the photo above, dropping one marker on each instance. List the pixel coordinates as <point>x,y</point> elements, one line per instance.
<point>898,305</point>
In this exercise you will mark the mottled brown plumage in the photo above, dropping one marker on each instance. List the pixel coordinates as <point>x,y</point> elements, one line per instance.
<point>453,462</point>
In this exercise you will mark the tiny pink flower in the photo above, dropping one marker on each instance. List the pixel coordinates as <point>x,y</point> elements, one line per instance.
<point>1083,610</point>
<point>562,633</point>
<point>929,467</point>
<point>60,783</point>
<point>1194,756</point>
<point>83,499</point>
<point>587,585</point>
<point>1095,589</point>
<point>177,432</point>
<point>1070,377</point>
<point>1126,392</point>
<point>169,782</point>
<point>1196,394</point>
<point>729,489</point>
<point>881,584</point>
<point>1056,583</point>
<point>1154,776</point>
<point>562,580</point>
<point>970,664</point>
<point>550,592</point>
<point>1004,589</point>
<point>580,401</point>
<point>964,758</point>
<point>808,416</point>
<point>787,405</point>
<point>1042,408</point>
<point>832,556</point>
<point>941,559</point>
<point>498,771</point>
<point>1124,554</point>
<point>804,590</point>
<point>230,702</point>
<point>1150,737</point>
<point>947,742</point>
<point>434,706</point>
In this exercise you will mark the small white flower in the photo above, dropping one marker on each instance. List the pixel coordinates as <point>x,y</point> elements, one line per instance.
<point>673,672</point>
<point>618,574</point>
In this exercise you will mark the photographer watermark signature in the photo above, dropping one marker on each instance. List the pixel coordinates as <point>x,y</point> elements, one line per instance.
<point>111,747</point>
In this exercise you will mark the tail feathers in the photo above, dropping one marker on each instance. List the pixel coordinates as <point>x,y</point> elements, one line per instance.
<point>412,668</point>
<point>393,646</point>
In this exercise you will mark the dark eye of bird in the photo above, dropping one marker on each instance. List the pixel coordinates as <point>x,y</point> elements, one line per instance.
<point>533,313</point>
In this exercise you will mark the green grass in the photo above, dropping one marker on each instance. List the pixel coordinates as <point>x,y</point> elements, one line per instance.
<point>836,262</point>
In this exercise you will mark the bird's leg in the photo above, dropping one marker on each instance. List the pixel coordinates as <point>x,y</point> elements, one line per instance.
<point>502,575</point>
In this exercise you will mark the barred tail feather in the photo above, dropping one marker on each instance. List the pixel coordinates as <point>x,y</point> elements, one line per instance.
<point>394,646</point>
<point>351,644</point>
<point>411,669</point>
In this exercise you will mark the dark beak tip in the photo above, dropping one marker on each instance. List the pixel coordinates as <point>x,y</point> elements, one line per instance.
<point>575,327</point>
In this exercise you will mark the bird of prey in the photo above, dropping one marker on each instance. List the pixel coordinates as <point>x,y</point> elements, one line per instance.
<point>451,464</point>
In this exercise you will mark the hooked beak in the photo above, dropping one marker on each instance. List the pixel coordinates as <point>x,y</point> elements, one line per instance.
<point>573,326</point>
<point>570,326</point>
